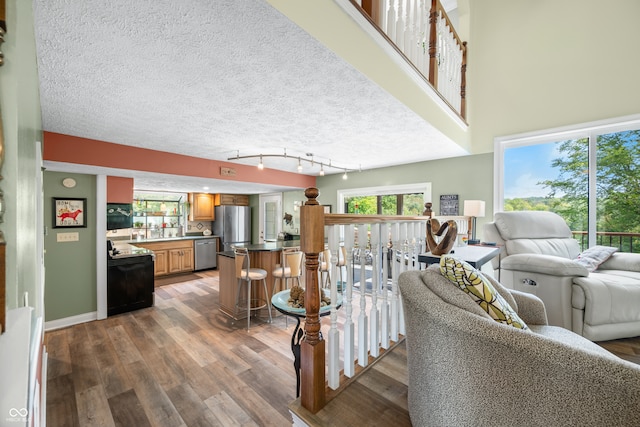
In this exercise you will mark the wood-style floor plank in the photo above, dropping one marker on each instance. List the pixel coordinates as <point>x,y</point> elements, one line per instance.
<point>183,363</point>
<point>93,408</point>
<point>127,410</point>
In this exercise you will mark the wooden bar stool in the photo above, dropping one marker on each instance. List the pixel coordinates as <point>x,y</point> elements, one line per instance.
<point>246,275</point>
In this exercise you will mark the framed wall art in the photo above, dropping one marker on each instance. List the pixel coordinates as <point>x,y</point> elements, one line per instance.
<point>69,212</point>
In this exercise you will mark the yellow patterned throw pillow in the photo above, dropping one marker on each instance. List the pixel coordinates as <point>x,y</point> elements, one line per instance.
<point>480,290</point>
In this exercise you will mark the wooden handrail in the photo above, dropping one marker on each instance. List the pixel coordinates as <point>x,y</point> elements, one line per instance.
<point>313,391</point>
<point>344,219</point>
<point>371,10</point>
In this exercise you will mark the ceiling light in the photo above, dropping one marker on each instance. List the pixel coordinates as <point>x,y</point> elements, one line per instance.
<point>345,175</point>
<point>312,161</point>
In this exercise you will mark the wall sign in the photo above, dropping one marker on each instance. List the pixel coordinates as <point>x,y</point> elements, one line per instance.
<point>449,204</point>
<point>69,213</point>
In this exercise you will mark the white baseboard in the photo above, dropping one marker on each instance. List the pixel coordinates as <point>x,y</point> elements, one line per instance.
<point>70,321</point>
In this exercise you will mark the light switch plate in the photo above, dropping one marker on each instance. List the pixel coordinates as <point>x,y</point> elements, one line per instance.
<point>67,237</point>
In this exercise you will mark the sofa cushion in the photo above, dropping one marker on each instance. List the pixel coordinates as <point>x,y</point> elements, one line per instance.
<point>565,248</point>
<point>480,290</point>
<point>593,257</point>
<point>531,225</point>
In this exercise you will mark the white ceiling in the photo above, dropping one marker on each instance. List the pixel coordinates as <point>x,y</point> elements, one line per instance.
<point>213,79</point>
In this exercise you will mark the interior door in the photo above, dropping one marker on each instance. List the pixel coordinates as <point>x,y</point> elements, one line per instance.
<point>270,213</point>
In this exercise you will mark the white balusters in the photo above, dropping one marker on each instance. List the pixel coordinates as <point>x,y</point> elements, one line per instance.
<point>375,288</point>
<point>333,362</point>
<point>385,334</point>
<point>406,23</point>
<point>378,325</point>
<point>395,272</point>
<point>349,334</point>
<point>363,320</point>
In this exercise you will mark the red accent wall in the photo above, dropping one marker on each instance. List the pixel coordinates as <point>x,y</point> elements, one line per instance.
<point>119,189</point>
<point>72,149</point>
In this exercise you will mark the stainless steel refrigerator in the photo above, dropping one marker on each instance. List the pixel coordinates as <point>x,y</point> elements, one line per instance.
<point>233,225</point>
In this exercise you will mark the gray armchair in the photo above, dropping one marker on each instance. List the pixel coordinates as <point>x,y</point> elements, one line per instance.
<point>465,369</point>
<point>539,256</point>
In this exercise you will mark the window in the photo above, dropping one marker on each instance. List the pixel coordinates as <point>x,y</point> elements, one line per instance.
<point>391,200</point>
<point>588,174</point>
<point>389,204</point>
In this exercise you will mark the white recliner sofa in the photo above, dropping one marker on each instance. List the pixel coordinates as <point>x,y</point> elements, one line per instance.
<point>539,256</point>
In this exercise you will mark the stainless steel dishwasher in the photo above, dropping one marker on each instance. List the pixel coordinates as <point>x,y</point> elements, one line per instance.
<point>205,254</point>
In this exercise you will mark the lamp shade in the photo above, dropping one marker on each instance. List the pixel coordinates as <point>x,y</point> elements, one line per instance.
<point>474,208</point>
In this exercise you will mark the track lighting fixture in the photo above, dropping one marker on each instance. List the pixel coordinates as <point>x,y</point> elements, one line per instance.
<point>311,160</point>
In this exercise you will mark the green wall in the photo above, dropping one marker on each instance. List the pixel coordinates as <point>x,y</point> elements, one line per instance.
<point>20,108</point>
<point>470,177</point>
<point>70,266</point>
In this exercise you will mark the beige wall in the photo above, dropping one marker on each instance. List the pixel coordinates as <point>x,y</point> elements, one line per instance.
<point>540,64</point>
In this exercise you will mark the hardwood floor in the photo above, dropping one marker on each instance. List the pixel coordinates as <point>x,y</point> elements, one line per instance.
<point>182,363</point>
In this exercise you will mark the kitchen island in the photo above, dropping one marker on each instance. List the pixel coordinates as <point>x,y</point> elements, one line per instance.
<point>263,255</point>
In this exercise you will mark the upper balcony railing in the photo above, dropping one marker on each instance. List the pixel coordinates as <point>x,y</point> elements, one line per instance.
<point>422,32</point>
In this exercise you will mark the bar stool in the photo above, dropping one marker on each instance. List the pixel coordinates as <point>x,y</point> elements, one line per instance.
<point>246,274</point>
<point>290,267</point>
<point>325,266</point>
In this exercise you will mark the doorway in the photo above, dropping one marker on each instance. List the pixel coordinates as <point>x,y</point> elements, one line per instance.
<point>270,213</point>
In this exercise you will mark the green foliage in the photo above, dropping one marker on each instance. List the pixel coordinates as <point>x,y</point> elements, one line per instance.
<point>362,205</point>
<point>617,185</point>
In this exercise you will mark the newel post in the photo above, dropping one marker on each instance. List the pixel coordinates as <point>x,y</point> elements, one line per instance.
<point>312,348</point>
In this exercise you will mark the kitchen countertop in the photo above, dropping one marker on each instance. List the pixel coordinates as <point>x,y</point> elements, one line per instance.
<point>167,239</point>
<point>265,247</point>
<point>125,250</point>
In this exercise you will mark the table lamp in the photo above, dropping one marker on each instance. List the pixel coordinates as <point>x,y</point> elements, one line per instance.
<point>474,209</point>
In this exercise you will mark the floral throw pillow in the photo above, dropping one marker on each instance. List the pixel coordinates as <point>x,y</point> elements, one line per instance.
<point>473,282</point>
<point>594,256</point>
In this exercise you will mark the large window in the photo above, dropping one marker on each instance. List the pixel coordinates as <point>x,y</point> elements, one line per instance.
<point>388,204</point>
<point>406,199</point>
<point>588,174</point>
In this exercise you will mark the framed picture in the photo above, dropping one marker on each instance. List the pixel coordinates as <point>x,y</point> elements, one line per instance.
<point>449,204</point>
<point>327,208</point>
<point>69,213</point>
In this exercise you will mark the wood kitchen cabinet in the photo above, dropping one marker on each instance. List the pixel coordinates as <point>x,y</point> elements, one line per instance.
<point>161,265</point>
<point>171,257</point>
<point>232,199</point>
<point>180,260</point>
<point>201,207</point>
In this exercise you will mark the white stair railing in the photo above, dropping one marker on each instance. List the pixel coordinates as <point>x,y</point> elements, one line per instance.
<point>381,249</point>
<point>422,31</point>
<point>372,319</point>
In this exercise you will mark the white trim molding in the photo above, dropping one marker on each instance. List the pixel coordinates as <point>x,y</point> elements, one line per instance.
<point>70,321</point>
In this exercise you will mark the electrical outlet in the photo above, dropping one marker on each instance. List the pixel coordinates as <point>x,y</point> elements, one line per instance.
<point>67,237</point>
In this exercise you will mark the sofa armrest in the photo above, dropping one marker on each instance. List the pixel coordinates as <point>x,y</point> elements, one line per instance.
<point>530,308</point>
<point>622,261</point>
<point>544,264</point>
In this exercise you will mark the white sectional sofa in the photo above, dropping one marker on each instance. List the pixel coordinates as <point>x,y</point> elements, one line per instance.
<point>540,257</point>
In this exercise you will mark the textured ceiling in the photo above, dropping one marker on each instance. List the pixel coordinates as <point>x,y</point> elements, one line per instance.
<point>213,79</point>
